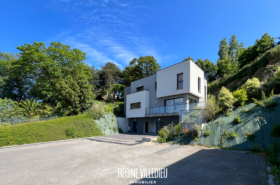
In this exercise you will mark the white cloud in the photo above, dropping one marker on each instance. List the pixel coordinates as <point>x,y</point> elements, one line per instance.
<point>107,33</point>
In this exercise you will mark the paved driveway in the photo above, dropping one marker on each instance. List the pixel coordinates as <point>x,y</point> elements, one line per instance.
<point>99,160</point>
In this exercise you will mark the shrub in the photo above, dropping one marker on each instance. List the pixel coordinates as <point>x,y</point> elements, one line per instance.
<point>277,73</point>
<point>178,128</point>
<point>71,132</point>
<point>212,107</point>
<point>252,87</point>
<point>166,132</point>
<point>196,130</point>
<point>250,136</point>
<point>226,99</point>
<point>96,111</point>
<point>207,133</point>
<point>275,131</point>
<point>226,136</point>
<point>237,120</point>
<point>162,135</point>
<point>266,102</point>
<point>115,129</point>
<point>228,114</point>
<point>120,130</point>
<point>186,132</point>
<point>5,124</point>
<point>241,96</point>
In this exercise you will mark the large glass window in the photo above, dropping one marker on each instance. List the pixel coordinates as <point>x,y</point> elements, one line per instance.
<point>180,81</point>
<point>192,100</point>
<point>135,105</point>
<point>140,88</point>
<point>177,101</point>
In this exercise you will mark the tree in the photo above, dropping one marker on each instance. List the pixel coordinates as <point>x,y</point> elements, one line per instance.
<point>117,89</point>
<point>32,108</point>
<point>241,96</point>
<point>109,75</point>
<point>211,107</point>
<point>140,68</point>
<point>225,67</point>
<point>252,52</point>
<point>209,68</point>
<point>9,108</point>
<point>223,49</point>
<point>75,94</point>
<point>189,58</point>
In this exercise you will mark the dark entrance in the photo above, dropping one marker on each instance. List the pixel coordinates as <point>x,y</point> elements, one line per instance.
<point>146,127</point>
<point>134,126</point>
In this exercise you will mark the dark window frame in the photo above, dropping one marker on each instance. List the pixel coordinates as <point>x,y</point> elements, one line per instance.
<point>180,81</point>
<point>199,84</point>
<point>136,105</point>
<point>137,89</point>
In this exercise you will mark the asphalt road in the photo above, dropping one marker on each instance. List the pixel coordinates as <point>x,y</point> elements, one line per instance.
<point>123,159</point>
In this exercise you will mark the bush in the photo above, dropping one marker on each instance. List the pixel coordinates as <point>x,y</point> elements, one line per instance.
<point>115,129</point>
<point>207,133</point>
<point>228,114</point>
<point>5,124</point>
<point>250,136</point>
<point>226,99</point>
<point>277,73</point>
<point>275,131</point>
<point>178,128</point>
<point>166,132</point>
<point>96,111</point>
<point>186,132</point>
<point>269,103</point>
<point>196,130</point>
<point>226,136</point>
<point>212,107</point>
<point>71,132</point>
<point>241,96</point>
<point>237,120</point>
<point>252,87</point>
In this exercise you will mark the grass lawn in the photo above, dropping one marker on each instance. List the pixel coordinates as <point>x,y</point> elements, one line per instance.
<point>50,130</point>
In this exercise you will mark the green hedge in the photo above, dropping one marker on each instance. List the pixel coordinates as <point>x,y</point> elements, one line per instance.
<point>51,130</point>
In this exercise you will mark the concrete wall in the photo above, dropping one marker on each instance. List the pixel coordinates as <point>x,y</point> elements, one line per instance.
<point>167,79</point>
<point>123,123</point>
<point>195,73</point>
<point>143,97</point>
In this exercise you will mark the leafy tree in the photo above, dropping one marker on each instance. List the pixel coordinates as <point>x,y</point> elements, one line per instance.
<point>117,89</point>
<point>140,68</point>
<point>226,99</point>
<point>9,108</point>
<point>223,49</point>
<point>32,108</point>
<point>252,52</point>
<point>75,94</point>
<point>209,68</point>
<point>225,67</point>
<point>189,58</point>
<point>109,75</point>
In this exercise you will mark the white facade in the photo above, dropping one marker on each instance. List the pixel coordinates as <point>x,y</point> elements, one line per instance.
<point>143,98</point>
<point>162,86</point>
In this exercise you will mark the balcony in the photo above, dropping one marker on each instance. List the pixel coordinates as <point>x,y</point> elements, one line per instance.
<point>173,110</point>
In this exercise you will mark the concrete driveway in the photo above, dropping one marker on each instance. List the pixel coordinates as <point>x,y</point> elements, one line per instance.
<point>108,159</point>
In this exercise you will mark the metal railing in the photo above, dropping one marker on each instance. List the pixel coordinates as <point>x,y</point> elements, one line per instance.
<point>174,108</point>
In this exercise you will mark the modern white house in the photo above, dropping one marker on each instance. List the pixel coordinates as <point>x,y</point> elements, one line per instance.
<point>157,100</point>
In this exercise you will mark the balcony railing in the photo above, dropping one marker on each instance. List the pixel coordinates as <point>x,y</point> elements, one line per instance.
<point>174,108</point>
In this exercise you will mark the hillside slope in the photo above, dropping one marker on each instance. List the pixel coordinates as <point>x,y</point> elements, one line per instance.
<point>256,68</point>
<point>255,119</point>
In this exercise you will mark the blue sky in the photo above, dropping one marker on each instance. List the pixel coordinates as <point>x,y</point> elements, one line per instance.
<point>118,31</point>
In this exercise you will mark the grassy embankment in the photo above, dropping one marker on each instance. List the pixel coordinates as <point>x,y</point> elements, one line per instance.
<point>50,130</point>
